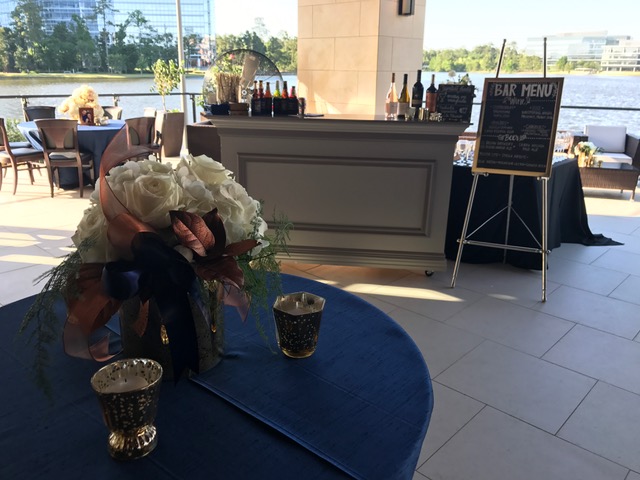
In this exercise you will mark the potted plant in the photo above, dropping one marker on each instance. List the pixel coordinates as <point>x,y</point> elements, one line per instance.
<point>169,125</point>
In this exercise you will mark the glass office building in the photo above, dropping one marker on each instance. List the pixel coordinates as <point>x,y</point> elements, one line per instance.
<point>197,15</point>
<point>577,47</point>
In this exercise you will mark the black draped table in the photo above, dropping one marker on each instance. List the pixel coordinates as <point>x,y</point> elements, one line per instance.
<point>358,408</point>
<point>91,138</point>
<point>567,214</point>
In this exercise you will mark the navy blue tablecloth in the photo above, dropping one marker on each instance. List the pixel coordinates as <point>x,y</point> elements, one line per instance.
<point>567,215</point>
<point>91,139</point>
<point>358,408</point>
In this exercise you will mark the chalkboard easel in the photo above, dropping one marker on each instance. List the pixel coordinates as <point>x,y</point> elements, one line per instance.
<point>518,122</point>
<point>516,136</point>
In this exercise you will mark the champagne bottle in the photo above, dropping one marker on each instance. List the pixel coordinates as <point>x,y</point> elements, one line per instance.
<point>432,95</point>
<point>416,93</point>
<point>391,104</point>
<point>404,100</point>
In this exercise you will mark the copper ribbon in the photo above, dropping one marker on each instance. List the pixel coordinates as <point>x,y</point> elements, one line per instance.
<point>151,269</point>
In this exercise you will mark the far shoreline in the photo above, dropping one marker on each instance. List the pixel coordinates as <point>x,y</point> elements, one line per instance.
<point>199,73</point>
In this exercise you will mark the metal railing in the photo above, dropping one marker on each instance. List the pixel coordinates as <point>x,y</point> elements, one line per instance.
<point>24,99</point>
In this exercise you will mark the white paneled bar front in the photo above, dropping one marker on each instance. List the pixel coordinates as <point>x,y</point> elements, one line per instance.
<point>359,191</point>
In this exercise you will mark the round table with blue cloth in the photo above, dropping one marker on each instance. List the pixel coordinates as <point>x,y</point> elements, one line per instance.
<point>359,407</point>
<point>91,138</point>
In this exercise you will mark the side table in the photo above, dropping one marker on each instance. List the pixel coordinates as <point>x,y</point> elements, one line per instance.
<point>618,176</point>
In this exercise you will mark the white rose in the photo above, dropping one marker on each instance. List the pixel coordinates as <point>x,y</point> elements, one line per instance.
<point>152,165</point>
<point>260,231</point>
<point>150,197</point>
<point>208,170</point>
<point>236,208</point>
<point>93,228</point>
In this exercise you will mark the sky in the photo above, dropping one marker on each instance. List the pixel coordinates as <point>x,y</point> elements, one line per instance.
<point>463,23</point>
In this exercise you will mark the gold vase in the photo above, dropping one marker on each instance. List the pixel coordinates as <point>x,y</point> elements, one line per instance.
<point>154,342</point>
<point>585,159</point>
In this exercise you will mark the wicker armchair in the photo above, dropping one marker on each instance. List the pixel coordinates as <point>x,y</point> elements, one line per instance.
<point>619,162</point>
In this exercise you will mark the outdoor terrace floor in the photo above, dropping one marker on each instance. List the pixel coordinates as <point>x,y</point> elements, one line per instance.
<point>523,389</point>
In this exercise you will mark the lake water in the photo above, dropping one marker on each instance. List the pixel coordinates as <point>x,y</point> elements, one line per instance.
<point>579,90</point>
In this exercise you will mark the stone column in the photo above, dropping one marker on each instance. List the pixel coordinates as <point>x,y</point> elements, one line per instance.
<point>347,51</point>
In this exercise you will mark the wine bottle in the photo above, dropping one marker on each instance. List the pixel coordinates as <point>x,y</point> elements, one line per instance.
<point>416,93</point>
<point>255,99</point>
<point>432,95</point>
<point>276,92</point>
<point>293,92</point>
<point>285,94</point>
<point>267,106</point>
<point>267,91</point>
<point>391,103</point>
<point>404,100</point>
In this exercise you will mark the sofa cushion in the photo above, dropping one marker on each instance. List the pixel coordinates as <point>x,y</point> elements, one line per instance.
<point>613,157</point>
<point>608,138</point>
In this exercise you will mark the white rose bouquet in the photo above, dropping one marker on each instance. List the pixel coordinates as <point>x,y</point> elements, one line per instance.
<point>82,97</point>
<point>182,240</point>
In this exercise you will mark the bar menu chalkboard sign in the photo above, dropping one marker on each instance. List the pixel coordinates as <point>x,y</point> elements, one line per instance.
<point>455,102</point>
<point>517,127</point>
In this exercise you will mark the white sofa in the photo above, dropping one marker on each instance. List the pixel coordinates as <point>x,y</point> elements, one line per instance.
<point>613,142</point>
<point>620,159</point>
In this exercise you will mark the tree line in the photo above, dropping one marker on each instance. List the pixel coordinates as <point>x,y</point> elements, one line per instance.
<point>134,46</point>
<point>484,58</point>
<point>130,47</point>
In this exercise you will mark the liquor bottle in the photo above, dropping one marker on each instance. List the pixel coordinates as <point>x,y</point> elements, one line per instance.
<point>293,102</point>
<point>432,95</point>
<point>404,100</point>
<point>259,110</point>
<point>416,93</point>
<point>277,100</point>
<point>267,106</point>
<point>391,103</point>
<point>285,94</point>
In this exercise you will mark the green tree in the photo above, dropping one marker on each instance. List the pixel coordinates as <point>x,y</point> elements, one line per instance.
<point>290,53</point>
<point>6,55</point>
<point>61,51</point>
<point>260,28</point>
<point>561,64</point>
<point>101,10</point>
<point>85,46</point>
<point>191,43</point>
<point>29,35</point>
<point>166,78</point>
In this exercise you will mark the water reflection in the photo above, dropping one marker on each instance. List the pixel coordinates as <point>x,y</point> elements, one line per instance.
<point>579,90</point>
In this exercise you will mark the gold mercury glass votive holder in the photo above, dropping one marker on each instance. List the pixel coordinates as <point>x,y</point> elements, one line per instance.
<point>297,317</point>
<point>128,391</point>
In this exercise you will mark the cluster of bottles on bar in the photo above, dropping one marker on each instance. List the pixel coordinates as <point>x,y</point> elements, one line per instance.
<point>396,107</point>
<point>280,102</point>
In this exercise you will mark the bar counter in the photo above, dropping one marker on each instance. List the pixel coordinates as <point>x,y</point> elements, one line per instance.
<point>359,190</point>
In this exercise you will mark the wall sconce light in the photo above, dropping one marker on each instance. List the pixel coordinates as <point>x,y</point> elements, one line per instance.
<point>406,7</point>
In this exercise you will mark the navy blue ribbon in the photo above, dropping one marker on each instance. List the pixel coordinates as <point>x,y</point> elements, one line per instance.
<point>161,272</point>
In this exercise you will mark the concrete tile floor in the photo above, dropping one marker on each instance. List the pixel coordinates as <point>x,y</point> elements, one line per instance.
<point>523,389</point>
